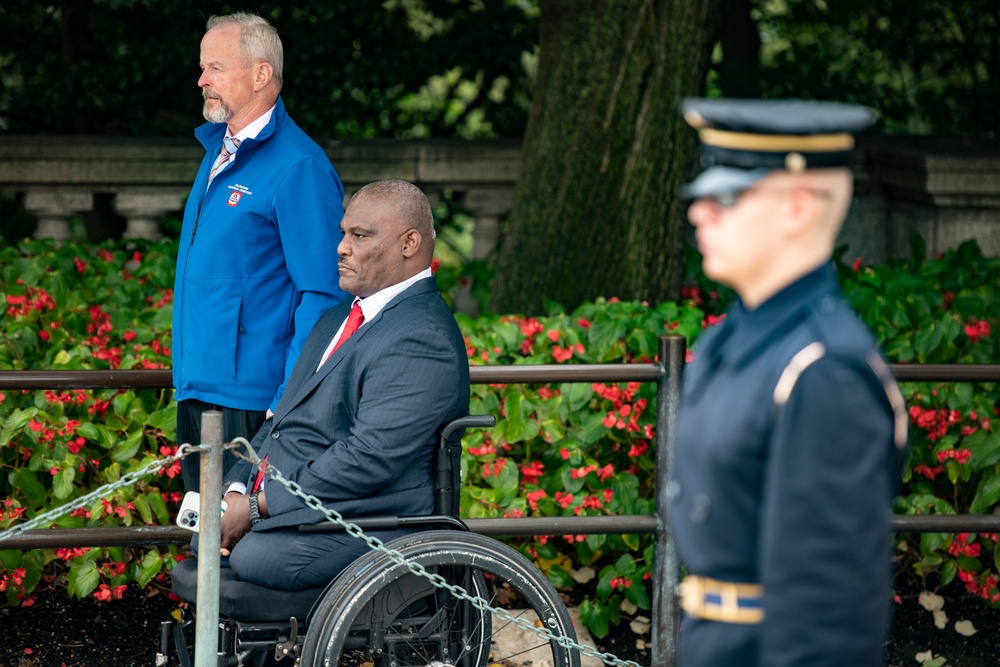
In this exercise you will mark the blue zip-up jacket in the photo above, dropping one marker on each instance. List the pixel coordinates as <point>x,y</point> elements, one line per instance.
<point>256,266</point>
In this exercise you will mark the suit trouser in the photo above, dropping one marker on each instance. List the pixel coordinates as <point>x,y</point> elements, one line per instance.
<point>235,424</point>
<point>286,559</point>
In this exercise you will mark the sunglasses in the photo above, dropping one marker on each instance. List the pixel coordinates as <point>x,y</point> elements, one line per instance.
<point>732,198</point>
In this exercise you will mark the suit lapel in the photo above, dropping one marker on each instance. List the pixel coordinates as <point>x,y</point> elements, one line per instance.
<point>305,379</point>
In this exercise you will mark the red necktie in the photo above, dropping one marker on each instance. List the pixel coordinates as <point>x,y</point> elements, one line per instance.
<point>354,320</point>
<point>260,477</point>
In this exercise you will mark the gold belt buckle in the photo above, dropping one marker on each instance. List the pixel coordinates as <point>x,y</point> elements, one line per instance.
<point>694,591</point>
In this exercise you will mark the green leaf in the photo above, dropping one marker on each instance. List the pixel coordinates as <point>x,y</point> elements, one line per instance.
<point>631,541</point>
<point>142,507</point>
<point>128,448</point>
<point>590,429</point>
<point>985,448</point>
<point>637,595</point>
<point>165,419</point>
<point>605,334</point>
<point>595,616</point>
<point>15,423</point>
<point>569,483</point>
<point>932,542</point>
<point>159,506</point>
<point>560,577</point>
<point>152,563</point>
<point>83,577</point>
<point>120,403</point>
<point>162,321</point>
<point>29,485</point>
<point>62,484</point>
<point>948,572</point>
<point>10,559</point>
<point>576,395</point>
<point>987,495</point>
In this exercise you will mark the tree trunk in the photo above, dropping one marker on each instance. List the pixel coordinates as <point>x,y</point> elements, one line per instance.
<point>597,211</point>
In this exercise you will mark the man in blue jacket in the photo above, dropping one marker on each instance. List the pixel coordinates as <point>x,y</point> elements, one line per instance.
<point>257,264</point>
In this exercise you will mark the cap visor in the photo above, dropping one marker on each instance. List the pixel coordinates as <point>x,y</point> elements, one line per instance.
<point>719,180</point>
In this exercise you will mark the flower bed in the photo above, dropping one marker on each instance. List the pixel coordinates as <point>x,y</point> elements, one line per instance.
<point>558,450</point>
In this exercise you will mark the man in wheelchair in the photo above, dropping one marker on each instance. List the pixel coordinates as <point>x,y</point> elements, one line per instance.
<point>370,425</point>
<point>357,424</point>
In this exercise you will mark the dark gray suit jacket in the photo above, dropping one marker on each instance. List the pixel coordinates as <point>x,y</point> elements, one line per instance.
<point>359,433</point>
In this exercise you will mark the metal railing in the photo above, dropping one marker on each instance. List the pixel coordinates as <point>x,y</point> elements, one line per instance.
<point>666,373</point>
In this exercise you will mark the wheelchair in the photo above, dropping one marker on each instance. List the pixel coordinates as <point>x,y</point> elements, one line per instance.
<point>377,613</point>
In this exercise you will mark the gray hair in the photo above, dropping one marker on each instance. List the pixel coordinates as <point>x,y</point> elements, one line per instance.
<point>259,40</point>
<point>410,201</point>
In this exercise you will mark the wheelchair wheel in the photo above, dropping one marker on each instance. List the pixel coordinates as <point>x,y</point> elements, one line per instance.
<point>378,613</point>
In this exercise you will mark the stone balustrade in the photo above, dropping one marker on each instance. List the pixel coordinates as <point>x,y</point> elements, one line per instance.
<point>946,189</point>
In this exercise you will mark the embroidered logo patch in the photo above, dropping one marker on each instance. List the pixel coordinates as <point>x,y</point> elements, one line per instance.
<point>234,198</point>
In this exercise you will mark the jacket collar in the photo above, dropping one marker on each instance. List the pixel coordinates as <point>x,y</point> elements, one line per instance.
<point>210,134</point>
<point>779,313</point>
<point>296,394</point>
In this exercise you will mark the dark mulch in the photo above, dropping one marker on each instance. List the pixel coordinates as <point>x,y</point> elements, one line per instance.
<point>57,631</point>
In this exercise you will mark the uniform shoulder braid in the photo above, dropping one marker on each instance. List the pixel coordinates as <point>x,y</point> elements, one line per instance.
<point>839,336</point>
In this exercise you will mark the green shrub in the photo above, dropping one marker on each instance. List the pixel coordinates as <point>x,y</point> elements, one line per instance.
<point>76,307</point>
<point>943,310</point>
<point>557,450</point>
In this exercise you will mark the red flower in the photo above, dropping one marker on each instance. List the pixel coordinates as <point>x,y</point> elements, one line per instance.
<point>561,354</point>
<point>79,264</point>
<point>927,471</point>
<point>977,329</point>
<point>857,265</point>
<point>534,496</point>
<point>435,265</point>
<point>532,471</point>
<point>563,499</point>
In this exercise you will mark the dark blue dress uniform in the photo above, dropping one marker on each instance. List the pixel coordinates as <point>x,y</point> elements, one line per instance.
<point>788,449</point>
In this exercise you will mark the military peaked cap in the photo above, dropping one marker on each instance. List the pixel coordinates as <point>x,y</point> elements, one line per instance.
<point>744,140</point>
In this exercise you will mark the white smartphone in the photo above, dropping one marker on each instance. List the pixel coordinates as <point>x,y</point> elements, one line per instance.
<point>189,513</point>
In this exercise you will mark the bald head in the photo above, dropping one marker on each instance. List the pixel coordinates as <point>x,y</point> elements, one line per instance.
<point>408,205</point>
<point>388,237</point>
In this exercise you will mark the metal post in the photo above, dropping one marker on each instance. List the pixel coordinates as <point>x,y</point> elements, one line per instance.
<point>206,638</point>
<point>672,353</point>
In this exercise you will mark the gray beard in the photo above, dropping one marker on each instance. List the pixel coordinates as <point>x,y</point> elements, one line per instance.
<point>220,115</point>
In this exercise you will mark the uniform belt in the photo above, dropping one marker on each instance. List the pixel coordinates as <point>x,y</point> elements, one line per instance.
<point>723,601</point>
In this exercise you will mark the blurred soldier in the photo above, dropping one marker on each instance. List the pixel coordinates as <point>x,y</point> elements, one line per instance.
<point>791,430</point>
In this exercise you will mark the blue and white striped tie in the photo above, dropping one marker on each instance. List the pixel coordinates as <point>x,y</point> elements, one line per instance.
<point>229,146</point>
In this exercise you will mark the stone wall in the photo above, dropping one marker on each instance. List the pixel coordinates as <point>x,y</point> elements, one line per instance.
<point>946,189</point>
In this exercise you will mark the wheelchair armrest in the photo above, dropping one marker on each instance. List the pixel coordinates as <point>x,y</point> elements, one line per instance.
<point>470,421</point>
<point>387,523</point>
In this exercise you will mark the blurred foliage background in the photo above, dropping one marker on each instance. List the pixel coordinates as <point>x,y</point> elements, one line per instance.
<point>422,68</point>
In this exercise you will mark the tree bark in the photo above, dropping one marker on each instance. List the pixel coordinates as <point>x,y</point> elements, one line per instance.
<point>597,211</point>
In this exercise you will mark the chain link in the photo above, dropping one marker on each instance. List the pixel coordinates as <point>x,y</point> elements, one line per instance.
<point>437,580</point>
<point>45,519</point>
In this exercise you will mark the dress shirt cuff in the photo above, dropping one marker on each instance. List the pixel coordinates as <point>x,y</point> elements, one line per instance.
<point>236,487</point>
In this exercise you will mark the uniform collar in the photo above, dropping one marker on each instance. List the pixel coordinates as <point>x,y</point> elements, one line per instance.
<point>779,313</point>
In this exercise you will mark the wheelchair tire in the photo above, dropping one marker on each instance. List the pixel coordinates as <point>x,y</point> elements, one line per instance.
<point>378,613</point>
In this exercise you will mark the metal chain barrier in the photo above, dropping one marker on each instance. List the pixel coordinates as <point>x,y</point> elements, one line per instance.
<point>437,580</point>
<point>45,519</point>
